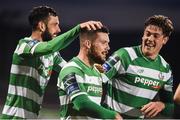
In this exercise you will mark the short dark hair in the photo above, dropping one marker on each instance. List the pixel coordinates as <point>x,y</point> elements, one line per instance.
<point>103,29</point>
<point>40,13</point>
<point>91,34</point>
<point>161,21</point>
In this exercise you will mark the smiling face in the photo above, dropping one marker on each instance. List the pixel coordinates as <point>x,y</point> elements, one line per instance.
<point>52,28</point>
<point>152,41</point>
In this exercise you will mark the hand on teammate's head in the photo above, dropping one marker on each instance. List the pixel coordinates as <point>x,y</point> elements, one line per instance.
<point>91,25</point>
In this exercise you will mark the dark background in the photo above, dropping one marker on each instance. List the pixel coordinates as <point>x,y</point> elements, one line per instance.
<point>124,18</point>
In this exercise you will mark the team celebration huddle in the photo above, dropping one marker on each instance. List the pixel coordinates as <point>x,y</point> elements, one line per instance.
<point>132,83</point>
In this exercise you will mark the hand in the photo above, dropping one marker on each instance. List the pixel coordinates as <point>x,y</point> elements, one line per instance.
<point>91,25</point>
<point>99,67</point>
<point>118,117</point>
<point>151,109</point>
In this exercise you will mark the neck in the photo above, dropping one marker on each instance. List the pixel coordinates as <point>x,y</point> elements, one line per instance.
<point>36,35</point>
<point>83,55</point>
<point>149,56</point>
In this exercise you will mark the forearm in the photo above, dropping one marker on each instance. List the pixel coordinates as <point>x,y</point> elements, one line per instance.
<point>57,43</point>
<point>177,95</point>
<point>82,103</point>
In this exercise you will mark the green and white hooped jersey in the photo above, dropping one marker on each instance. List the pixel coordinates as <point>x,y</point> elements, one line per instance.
<point>134,79</point>
<point>76,79</point>
<point>28,79</point>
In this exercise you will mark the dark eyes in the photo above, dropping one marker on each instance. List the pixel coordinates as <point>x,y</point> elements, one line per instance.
<point>155,35</point>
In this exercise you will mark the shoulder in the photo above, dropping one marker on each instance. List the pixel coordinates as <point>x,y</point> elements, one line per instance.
<point>127,52</point>
<point>69,68</point>
<point>163,62</point>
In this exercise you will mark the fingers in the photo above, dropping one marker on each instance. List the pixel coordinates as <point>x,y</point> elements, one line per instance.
<point>91,25</point>
<point>152,113</point>
<point>146,108</point>
<point>99,67</point>
<point>152,109</point>
<point>118,117</point>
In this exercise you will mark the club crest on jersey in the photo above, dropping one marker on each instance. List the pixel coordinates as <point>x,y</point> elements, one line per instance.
<point>140,70</point>
<point>161,76</point>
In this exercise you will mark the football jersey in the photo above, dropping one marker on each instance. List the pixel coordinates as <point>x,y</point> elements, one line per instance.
<point>134,80</point>
<point>76,78</point>
<point>32,65</point>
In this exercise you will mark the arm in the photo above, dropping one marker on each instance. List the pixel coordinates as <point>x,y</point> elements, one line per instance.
<point>177,95</point>
<point>83,103</point>
<point>79,97</point>
<point>56,44</point>
<point>36,48</point>
<point>65,39</point>
<point>163,105</point>
<point>166,96</point>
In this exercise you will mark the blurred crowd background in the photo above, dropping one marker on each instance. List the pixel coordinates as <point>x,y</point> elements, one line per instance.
<point>124,18</point>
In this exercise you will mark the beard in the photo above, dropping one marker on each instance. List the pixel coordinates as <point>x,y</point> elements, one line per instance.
<point>46,36</point>
<point>93,56</point>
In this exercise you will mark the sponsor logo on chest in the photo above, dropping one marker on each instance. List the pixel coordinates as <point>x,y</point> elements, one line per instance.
<point>147,82</point>
<point>94,89</point>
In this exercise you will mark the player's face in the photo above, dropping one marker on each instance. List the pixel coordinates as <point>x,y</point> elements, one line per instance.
<point>99,48</point>
<point>52,28</point>
<point>152,41</point>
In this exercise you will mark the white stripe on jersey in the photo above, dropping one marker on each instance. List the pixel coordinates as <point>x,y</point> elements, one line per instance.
<point>133,90</point>
<point>121,108</point>
<point>131,53</point>
<point>163,62</point>
<point>64,100</point>
<point>71,64</point>
<point>62,63</point>
<point>20,48</point>
<point>168,88</point>
<point>119,67</point>
<point>97,100</point>
<point>147,72</point>
<point>77,94</point>
<point>25,92</point>
<point>28,71</point>
<point>18,112</point>
<point>34,47</point>
<point>89,79</point>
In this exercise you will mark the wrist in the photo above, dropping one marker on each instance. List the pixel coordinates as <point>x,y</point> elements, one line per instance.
<point>161,104</point>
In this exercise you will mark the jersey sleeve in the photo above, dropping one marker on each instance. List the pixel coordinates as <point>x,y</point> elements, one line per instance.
<point>166,96</point>
<point>83,103</point>
<point>68,78</point>
<point>113,65</point>
<point>59,62</point>
<point>35,48</point>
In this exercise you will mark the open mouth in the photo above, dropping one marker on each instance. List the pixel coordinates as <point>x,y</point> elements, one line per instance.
<point>105,53</point>
<point>54,35</point>
<point>149,45</point>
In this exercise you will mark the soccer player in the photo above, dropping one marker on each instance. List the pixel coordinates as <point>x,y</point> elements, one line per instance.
<point>33,61</point>
<point>177,95</point>
<point>138,73</point>
<point>80,83</point>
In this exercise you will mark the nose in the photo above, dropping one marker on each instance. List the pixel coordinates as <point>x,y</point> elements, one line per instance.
<point>151,38</point>
<point>58,29</point>
<point>108,47</point>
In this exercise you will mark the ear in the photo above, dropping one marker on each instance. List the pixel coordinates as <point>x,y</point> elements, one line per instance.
<point>165,40</point>
<point>42,26</point>
<point>87,43</point>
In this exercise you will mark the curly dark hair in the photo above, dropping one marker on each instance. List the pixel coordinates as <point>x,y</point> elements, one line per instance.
<point>40,13</point>
<point>161,21</point>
